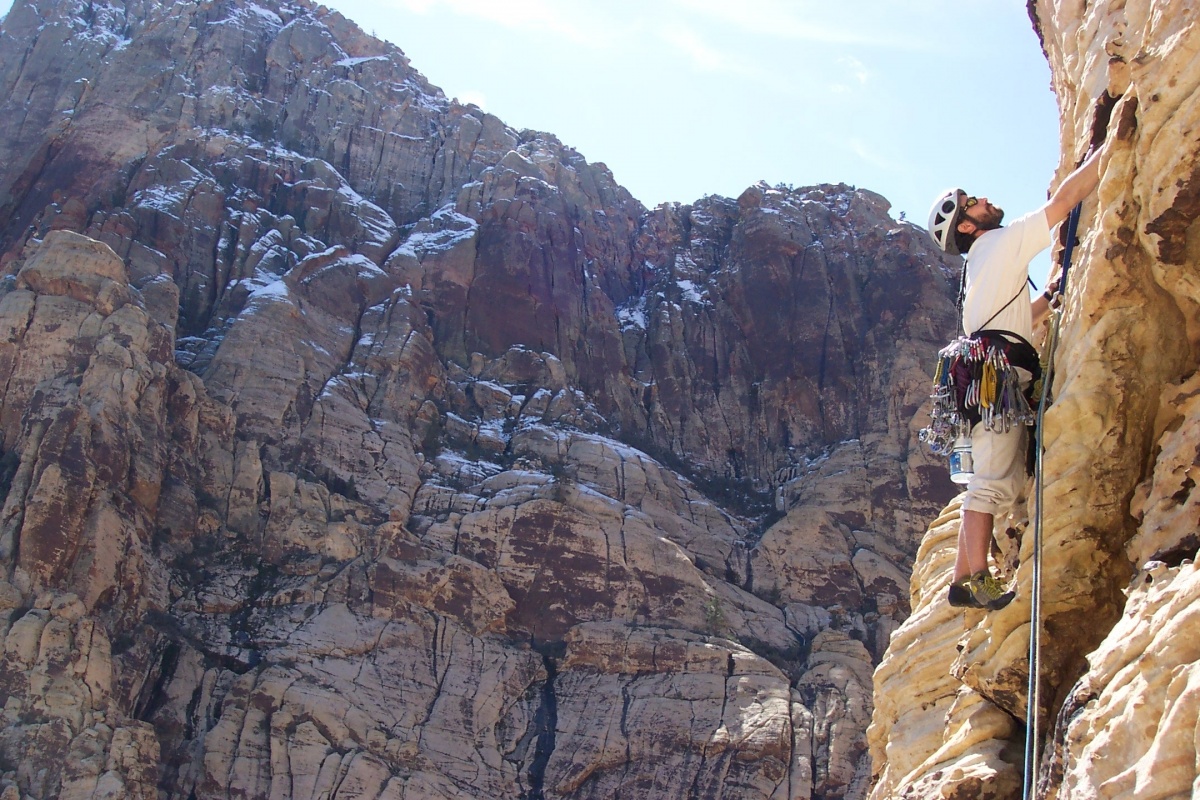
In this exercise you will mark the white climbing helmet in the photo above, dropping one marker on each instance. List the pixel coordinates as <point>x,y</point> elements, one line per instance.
<point>943,218</point>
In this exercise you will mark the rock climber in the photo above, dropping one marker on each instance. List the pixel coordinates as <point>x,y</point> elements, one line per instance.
<point>995,275</point>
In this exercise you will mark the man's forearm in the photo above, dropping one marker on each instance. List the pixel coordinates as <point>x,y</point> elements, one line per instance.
<point>1078,185</point>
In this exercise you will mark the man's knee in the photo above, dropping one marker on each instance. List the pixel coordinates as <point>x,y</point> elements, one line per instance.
<point>987,500</point>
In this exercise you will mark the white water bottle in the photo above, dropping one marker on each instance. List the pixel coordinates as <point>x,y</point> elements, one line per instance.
<point>962,466</point>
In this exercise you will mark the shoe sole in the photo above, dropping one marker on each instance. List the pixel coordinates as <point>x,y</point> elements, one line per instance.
<point>963,599</point>
<point>1001,601</point>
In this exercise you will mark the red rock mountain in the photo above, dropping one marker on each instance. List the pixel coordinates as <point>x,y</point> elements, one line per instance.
<point>356,444</point>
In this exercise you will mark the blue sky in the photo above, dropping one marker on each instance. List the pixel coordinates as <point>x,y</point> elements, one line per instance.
<point>684,98</point>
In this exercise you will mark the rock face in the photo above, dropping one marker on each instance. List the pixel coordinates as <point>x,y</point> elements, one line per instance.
<point>1119,643</point>
<point>355,443</point>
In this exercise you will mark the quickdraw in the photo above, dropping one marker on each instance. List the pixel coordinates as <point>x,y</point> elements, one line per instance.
<point>974,382</point>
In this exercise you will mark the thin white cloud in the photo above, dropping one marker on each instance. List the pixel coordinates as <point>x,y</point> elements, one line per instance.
<point>871,156</point>
<point>851,76</point>
<point>854,69</point>
<point>702,55</point>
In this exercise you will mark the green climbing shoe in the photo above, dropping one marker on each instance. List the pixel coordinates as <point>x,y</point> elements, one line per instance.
<point>988,592</point>
<point>960,595</point>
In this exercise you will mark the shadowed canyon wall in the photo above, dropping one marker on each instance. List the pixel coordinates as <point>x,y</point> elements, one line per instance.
<point>353,443</point>
<point>1120,658</point>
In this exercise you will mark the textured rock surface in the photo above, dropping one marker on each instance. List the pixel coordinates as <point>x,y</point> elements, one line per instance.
<point>1120,529</point>
<point>355,443</point>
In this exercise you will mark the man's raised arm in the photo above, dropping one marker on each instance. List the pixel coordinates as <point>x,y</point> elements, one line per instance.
<point>1078,185</point>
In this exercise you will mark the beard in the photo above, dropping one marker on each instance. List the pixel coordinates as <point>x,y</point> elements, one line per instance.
<point>991,218</point>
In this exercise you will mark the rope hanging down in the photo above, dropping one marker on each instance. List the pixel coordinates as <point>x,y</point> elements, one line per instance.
<point>1033,706</point>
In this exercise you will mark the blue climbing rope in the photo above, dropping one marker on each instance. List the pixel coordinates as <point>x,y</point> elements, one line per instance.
<point>1034,695</point>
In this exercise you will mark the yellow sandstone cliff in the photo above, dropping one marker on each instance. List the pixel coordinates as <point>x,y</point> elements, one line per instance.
<point>1121,636</point>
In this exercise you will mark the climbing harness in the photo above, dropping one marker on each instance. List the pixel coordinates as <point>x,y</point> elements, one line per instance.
<point>1034,702</point>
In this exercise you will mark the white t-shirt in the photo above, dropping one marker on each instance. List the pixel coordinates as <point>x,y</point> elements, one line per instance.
<point>997,271</point>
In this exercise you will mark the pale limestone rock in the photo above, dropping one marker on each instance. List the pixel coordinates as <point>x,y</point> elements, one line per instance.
<point>609,562</point>
<point>74,266</point>
<point>630,476</point>
<point>117,764</point>
<point>457,679</point>
<point>1163,504</point>
<point>1133,716</point>
<point>709,712</point>
<point>807,620</point>
<point>837,686</point>
<point>90,373</point>
<point>300,522</point>
<point>247,484</point>
<point>57,668</point>
<point>807,559</point>
<point>878,576</point>
<point>459,588</point>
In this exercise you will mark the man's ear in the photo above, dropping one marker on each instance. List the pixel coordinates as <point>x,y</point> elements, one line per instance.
<point>966,230</point>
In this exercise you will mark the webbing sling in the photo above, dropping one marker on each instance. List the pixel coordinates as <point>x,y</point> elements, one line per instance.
<point>1033,706</point>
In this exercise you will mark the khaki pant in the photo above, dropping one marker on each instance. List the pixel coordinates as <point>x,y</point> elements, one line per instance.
<point>999,478</point>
